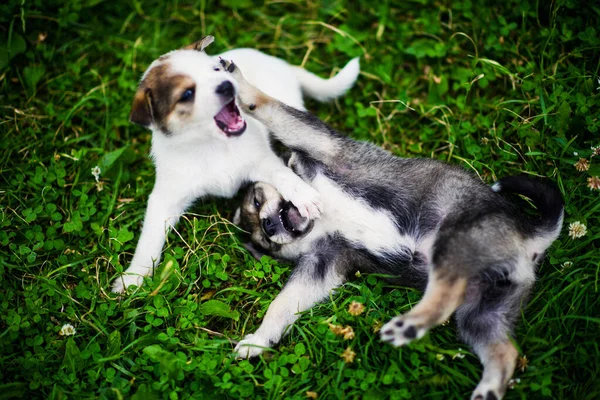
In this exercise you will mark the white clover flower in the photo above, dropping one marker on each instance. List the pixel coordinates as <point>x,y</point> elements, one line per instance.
<point>566,265</point>
<point>67,330</point>
<point>594,182</point>
<point>577,230</point>
<point>513,382</point>
<point>582,165</point>
<point>96,172</point>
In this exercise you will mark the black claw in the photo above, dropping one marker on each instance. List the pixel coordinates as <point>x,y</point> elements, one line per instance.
<point>478,397</point>
<point>388,332</point>
<point>223,63</point>
<point>231,67</point>
<point>399,324</point>
<point>410,332</point>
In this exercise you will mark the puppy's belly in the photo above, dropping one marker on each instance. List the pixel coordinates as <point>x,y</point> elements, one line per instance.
<point>361,224</point>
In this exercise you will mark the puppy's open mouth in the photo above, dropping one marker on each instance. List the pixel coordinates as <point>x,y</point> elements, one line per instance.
<point>290,218</point>
<point>229,120</point>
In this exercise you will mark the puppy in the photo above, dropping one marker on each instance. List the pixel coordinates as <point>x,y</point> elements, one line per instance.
<point>203,145</point>
<point>429,224</point>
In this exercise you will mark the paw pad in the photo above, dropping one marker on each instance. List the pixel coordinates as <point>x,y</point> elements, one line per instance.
<point>402,330</point>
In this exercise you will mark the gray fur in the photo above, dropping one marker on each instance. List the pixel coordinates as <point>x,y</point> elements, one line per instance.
<point>439,225</point>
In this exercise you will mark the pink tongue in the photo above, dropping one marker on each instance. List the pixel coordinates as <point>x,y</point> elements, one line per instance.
<point>294,217</point>
<point>233,121</point>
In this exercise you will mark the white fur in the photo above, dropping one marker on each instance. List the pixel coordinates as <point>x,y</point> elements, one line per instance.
<point>300,293</point>
<point>358,221</point>
<point>327,89</point>
<point>539,243</point>
<point>197,159</point>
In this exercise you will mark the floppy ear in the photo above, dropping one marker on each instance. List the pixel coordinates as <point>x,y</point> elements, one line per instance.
<point>141,110</point>
<point>201,44</point>
<point>237,217</point>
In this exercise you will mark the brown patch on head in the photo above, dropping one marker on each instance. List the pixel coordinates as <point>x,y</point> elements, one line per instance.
<point>249,213</point>
<point>157,97</point>
<point>255,199</point>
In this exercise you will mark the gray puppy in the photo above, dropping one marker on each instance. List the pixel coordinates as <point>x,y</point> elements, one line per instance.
<point>430,224</point>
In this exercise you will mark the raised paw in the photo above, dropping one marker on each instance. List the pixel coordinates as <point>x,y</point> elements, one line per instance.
<point>308,202</point>
<point>228,65</point>
<point>121,284</point>
<point>249,96</point>
<point>402,330</point>
<point>251,346</point>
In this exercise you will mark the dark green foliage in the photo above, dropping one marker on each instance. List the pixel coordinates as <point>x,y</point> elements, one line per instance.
<point>497,87</point>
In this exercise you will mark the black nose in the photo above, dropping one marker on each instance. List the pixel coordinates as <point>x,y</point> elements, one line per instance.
<point>225,89</point>
<point>268,226</point>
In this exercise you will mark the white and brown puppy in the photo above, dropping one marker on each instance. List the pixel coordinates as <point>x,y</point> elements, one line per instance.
<point>201,143</point>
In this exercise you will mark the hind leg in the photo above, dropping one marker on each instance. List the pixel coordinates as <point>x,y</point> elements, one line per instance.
<point>499,360</point>
<point>444,293</point>
<point>485,321</point>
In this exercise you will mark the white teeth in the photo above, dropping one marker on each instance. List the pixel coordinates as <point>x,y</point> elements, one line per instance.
<point>281,221</point>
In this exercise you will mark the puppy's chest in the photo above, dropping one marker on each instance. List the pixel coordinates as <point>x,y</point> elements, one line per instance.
<point>357,221</point>
<point>217,172</point>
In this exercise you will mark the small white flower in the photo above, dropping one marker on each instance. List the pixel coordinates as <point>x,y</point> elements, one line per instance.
<point>582,165</point>
<point>575,153</point>
<point>96,172</point>
<point>67,330</point>
<point>566,265</point>
<point>513,382</point>
<point>577,230</point>
<point>594,182</point>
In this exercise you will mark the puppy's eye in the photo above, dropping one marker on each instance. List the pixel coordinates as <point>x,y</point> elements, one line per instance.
<point>187,95</point>
<point>256,203</point>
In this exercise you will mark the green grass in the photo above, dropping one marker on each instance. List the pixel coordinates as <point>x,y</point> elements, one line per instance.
<point>498,87</point>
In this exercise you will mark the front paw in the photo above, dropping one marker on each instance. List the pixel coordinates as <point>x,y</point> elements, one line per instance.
<point>228,65</point>
<point>307,200</point>
<point>121,284</point>
<point>251,346</point>
<point>249,97</point>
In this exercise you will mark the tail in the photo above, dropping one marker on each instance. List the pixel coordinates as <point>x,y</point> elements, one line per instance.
<point>328,89</point>
<point>546,197</point>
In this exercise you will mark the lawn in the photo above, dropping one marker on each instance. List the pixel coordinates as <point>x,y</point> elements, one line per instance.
<point>499,88</point>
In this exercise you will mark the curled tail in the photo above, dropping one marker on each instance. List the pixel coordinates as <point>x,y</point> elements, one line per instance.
<point>546,197</point>
<point>328,89</point>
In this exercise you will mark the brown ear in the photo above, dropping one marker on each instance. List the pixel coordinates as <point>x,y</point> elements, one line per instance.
<point>141,110</point>
<point>201,44</point>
